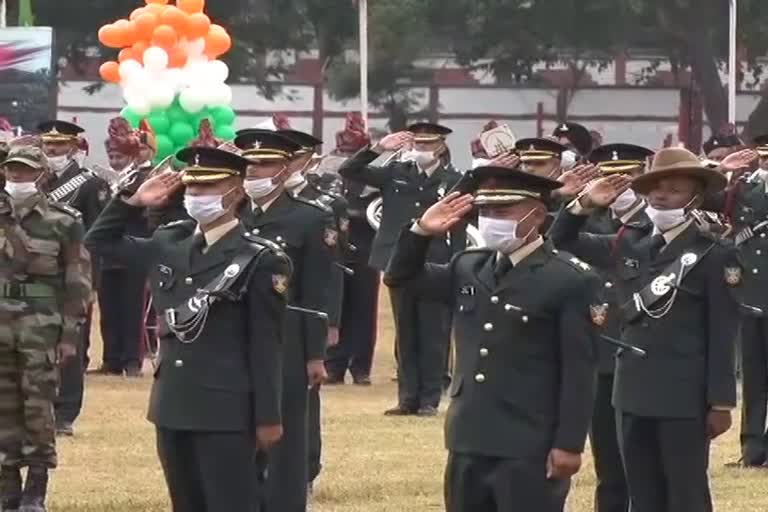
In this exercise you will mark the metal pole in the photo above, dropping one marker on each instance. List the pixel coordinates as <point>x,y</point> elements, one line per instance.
<point>3,21</point>
<point>732,71</point>
<point>363,5</point>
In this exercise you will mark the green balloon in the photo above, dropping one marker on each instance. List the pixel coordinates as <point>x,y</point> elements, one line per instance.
<point>225,132</point>
<point>164,146</point>
<point>176,114</point>
<point>159,122</point>
<point>223,115</point>
<point>132,117</point>
<point>181,133</point>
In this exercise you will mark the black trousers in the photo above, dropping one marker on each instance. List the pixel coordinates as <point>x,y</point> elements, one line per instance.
<point>490,484</point>
<point>121,301</point>
<point>666,463</point>
<point>423,330</point>
<point>754,367</point>
<point>611,490</point>
<point>69,401</point>
<point>210,471</point>
<point>315,435</point>
<point>357,335</point>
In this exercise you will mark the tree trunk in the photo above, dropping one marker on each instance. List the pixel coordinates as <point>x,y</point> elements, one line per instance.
<point>704,68</point>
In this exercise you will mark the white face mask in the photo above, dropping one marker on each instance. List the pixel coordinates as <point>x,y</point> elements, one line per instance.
<point>256,188</point>
<point>205,209</point>
<point>664,220</point>
<point>624,201</point>
<point>294,180</point>
<point>480,162</point>
<point>501,234</point>
<point>21,191</point>
<point>567,159</point>
<point>422,158</point>
<point>59,163</point>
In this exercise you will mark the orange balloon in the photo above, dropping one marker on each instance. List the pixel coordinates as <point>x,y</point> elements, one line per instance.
<point>198,25</point>
<point>138,50</point>
<point>165,37</point>
<point>109,36</point>
<point>176,18</point>
<point>126,32</point>
<point>146,25</point>
<point>191,6</point>
<point>155,9</point>
<point>137,12</point>
<point>157,2</point>
<point>110,72</point>
<point>217,42</point>
<point>126,54</point>
<point>177,57</point>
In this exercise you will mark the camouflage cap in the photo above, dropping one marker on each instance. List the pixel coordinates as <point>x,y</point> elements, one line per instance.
<point>28,155</point>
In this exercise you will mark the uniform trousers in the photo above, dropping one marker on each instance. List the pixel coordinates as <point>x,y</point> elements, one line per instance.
<point>69,401</point>
<point>422,339</point>
<point>28,382</point>
<point>611,490</point>
<point>315,435</point>
<point>121,302</point>
<point>666,461</point>
<point>210,471</point>
<point>476,483</point>
<point>754,365</point>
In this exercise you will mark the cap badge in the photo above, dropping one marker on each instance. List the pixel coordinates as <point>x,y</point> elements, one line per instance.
<point>615,155</point>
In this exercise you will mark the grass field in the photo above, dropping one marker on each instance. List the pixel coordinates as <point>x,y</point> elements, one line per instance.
<point>371,463</point>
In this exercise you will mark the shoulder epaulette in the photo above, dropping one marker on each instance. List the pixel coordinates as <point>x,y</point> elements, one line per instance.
<point>572,261</point>
<point>312,202</point>
<point>176,224</point>
<point>65,208</point>
<point>261,242</point>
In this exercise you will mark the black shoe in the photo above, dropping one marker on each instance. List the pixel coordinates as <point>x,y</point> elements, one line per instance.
<point>401,410</point>
<point>361,380</point>
<point>133,371</point>
<point>10,488</point>
<point>334,380</point>
<point>65,428</point>
<point>427,411</point>
<point>35,490</point>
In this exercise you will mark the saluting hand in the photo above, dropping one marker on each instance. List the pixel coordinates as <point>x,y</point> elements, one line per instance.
<point>506,160</point>
<point>740,161</point>
<point>576,179</point>
<point>603,192</point>
<point>562,464</point>
<point>156,191</point>
<point>394,142</point>
<point>444,214</point>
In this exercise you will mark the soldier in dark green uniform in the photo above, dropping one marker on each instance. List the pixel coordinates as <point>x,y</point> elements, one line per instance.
<point>575,137</point>
<point>626,219</point>
<point>541,157</point>
<point>408,187</point>
<point>675,285</point>
<point>525,346</point>
<point>215,401</point>
<point>307,232</point>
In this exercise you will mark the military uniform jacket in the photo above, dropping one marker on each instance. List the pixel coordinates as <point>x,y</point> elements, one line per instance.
<point>89,198</point>
<point>525,347</point>
<point>406,195</point>
<point>747,207</point>
<point>307,233</point>
<point>690,361</point>
<point>229,378</point>
<point>603,223</point>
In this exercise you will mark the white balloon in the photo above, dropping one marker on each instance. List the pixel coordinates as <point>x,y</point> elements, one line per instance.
<point>174,78</point>
<point>128,68</point>
<point>140,105</point>
<point>160,96</point>
<point>192,100</point>
<point>219,95</point>
<point>217,71</point>
<point>155,59</point>
<point>196,47</point>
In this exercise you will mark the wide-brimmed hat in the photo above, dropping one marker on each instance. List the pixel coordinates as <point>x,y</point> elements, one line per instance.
<point>674,162</point>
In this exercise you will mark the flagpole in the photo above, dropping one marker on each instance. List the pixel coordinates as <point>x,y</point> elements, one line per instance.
<point>732,71</point>
<point>3,21</point>
<point>363,11</point>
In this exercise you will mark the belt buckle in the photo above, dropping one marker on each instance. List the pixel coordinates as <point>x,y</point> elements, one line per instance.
<point>170,317</point>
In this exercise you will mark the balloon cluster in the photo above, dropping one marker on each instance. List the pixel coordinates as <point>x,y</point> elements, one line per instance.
<point>169,71</point>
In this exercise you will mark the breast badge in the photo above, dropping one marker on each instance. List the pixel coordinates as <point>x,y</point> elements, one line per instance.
<point>599,314</point>
<point>280,283</point>
<point>330,237</point>
<point>733,276</point>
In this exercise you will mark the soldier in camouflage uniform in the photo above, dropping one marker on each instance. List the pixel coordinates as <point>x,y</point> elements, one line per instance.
<point>44,289</point>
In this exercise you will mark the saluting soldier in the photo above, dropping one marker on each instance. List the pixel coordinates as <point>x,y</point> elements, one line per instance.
<point>576,137</point>
<point>215,400</point>
<point>719,146</point>
<point>307,232</point>
<point>625,218</point>
<point>73,185</point>
<point>357,336</point>
<point>409,186</point>
<point>675,285</point>
<point>45,288</point>
<point>525,345</point>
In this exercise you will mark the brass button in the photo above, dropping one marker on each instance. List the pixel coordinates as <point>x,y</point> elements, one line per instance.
<point>178,363</point>
<point>255,231</point>
<point>608,284</point>
<point>279,238</point>
<point>488,327</point>
<point>418,204</point>
<point>755,271</point>
<point>483,352</point>
<point>762,235</point>
<point>480,378</point>
<point>461,308</point>
<point>188,280</point>
<point>758,252</point>
<point>494,300</point>
<point>524,319</point>
<point>508,307</point>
